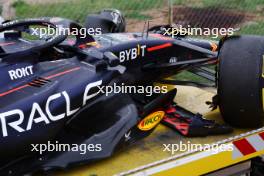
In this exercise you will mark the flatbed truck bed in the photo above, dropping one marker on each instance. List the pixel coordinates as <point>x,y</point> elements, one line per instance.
<point>147,157</point>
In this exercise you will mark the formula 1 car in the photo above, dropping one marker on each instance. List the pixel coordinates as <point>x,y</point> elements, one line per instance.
<point>53,90</point>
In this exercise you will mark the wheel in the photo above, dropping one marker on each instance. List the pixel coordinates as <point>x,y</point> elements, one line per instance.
<point>240,81</point>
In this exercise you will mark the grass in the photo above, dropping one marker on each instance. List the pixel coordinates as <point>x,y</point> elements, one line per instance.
<point>188,76</point>
<point>243,5</point>
<point>78,9</point>
<point>256,28</point>
<point>134,9</point>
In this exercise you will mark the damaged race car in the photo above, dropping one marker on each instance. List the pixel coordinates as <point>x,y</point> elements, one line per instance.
<point>53,89</point>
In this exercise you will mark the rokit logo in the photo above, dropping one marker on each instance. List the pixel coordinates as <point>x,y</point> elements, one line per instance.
<point>132,53</point>
<point>44,115</point>
<point>21,72</point>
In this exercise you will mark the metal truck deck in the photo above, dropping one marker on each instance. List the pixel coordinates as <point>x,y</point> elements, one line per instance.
<point>147,157</point>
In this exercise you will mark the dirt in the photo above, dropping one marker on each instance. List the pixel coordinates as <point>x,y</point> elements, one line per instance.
<point>210,17</point>
<point>158,17</point>
<point>195,17</point>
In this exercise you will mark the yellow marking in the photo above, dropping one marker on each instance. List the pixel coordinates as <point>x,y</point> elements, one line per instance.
<point>138,50</point>
<point>206,165</point>
<point>91,44</point>
<point>151,121</point>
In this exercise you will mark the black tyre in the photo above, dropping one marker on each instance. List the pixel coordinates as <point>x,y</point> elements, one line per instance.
<point>240,81</point>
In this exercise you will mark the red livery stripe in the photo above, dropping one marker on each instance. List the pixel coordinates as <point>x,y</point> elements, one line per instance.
<point>48,77</point>
<point>7,43</point>
<point>13,90</point>
<point>158,47</point>
<point>62,73</point>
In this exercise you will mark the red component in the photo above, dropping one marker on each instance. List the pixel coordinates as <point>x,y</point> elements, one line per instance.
<point>171,110</point>
<point>244,147</point>
<point>82,46</point>
<point>262,135</point>
<point>178,124</point>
